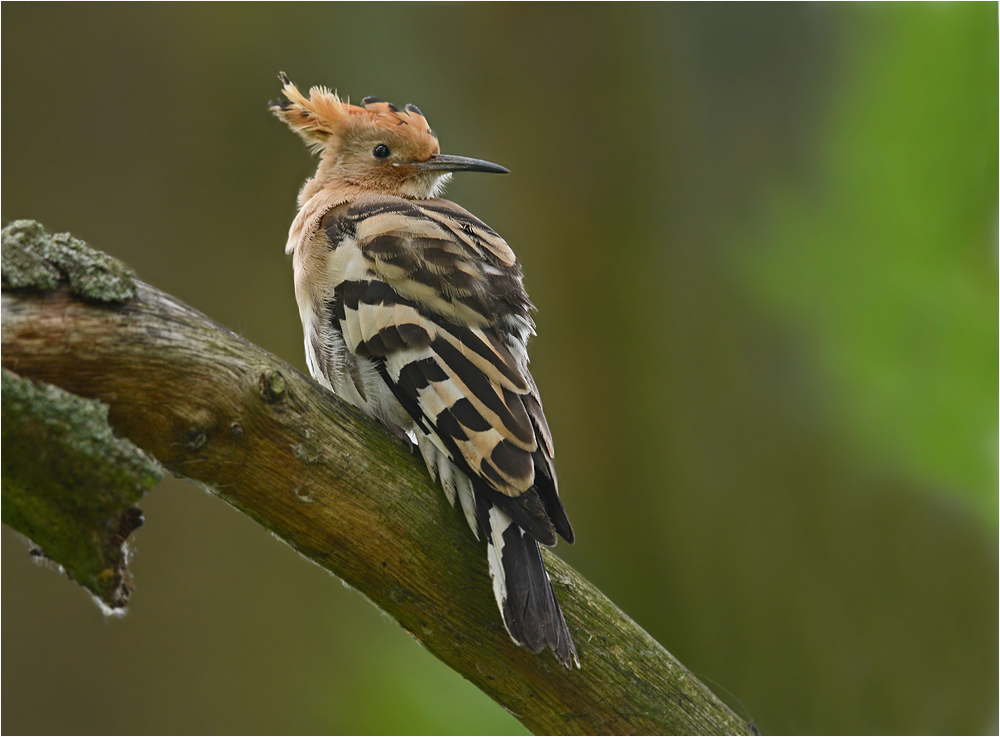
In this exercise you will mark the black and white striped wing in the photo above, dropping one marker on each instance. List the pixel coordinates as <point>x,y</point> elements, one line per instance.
<point>435,301</point>
<point>440,308</point>
<point>464,392</point>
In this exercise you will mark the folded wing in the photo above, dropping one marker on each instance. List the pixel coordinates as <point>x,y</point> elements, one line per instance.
<point>439,307</point>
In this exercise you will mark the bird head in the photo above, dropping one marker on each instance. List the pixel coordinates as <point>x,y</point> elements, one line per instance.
<point>375,147</point>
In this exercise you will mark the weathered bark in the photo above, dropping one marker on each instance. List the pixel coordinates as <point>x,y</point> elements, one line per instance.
<point>337,487</point>
<point>70,485</point>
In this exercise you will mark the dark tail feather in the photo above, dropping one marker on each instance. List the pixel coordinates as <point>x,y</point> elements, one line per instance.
<point>522,587</point>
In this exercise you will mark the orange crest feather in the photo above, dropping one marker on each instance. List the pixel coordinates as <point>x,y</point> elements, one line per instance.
<point>323,119</point>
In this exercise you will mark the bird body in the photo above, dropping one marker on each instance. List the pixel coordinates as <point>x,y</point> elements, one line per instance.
<point>414,310</point>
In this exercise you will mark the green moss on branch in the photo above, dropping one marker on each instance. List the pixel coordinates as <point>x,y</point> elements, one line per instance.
<point>70,485</point>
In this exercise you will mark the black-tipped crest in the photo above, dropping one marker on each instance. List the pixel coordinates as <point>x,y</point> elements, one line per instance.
<point>372,100</point>
<point>323,119</point>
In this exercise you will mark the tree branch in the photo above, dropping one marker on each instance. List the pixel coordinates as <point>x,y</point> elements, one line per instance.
<point>212,407</point>
<point>70,485</point>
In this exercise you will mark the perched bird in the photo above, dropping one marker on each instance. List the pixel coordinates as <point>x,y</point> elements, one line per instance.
<point>413,310</point>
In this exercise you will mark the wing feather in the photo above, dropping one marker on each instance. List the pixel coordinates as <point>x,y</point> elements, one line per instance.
<point>466,401</point>
<point>433,308</point>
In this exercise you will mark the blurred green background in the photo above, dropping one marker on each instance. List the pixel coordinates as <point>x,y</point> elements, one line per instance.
<point>763,245</point>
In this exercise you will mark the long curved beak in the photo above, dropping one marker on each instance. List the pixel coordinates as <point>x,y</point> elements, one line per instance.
<point>444,162</point>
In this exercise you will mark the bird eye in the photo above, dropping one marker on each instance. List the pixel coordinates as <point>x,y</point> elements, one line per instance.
<point>381,151</point>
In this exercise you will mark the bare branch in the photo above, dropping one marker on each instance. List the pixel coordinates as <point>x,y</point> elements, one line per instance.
<point>212,407</point>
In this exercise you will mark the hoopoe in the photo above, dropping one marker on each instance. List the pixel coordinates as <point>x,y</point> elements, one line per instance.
<point>413,310</point>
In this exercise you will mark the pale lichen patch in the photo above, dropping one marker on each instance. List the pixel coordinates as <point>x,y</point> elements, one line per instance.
<point>35,259</point>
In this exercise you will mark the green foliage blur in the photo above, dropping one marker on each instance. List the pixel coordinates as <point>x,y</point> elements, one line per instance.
<point>763,245</point>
